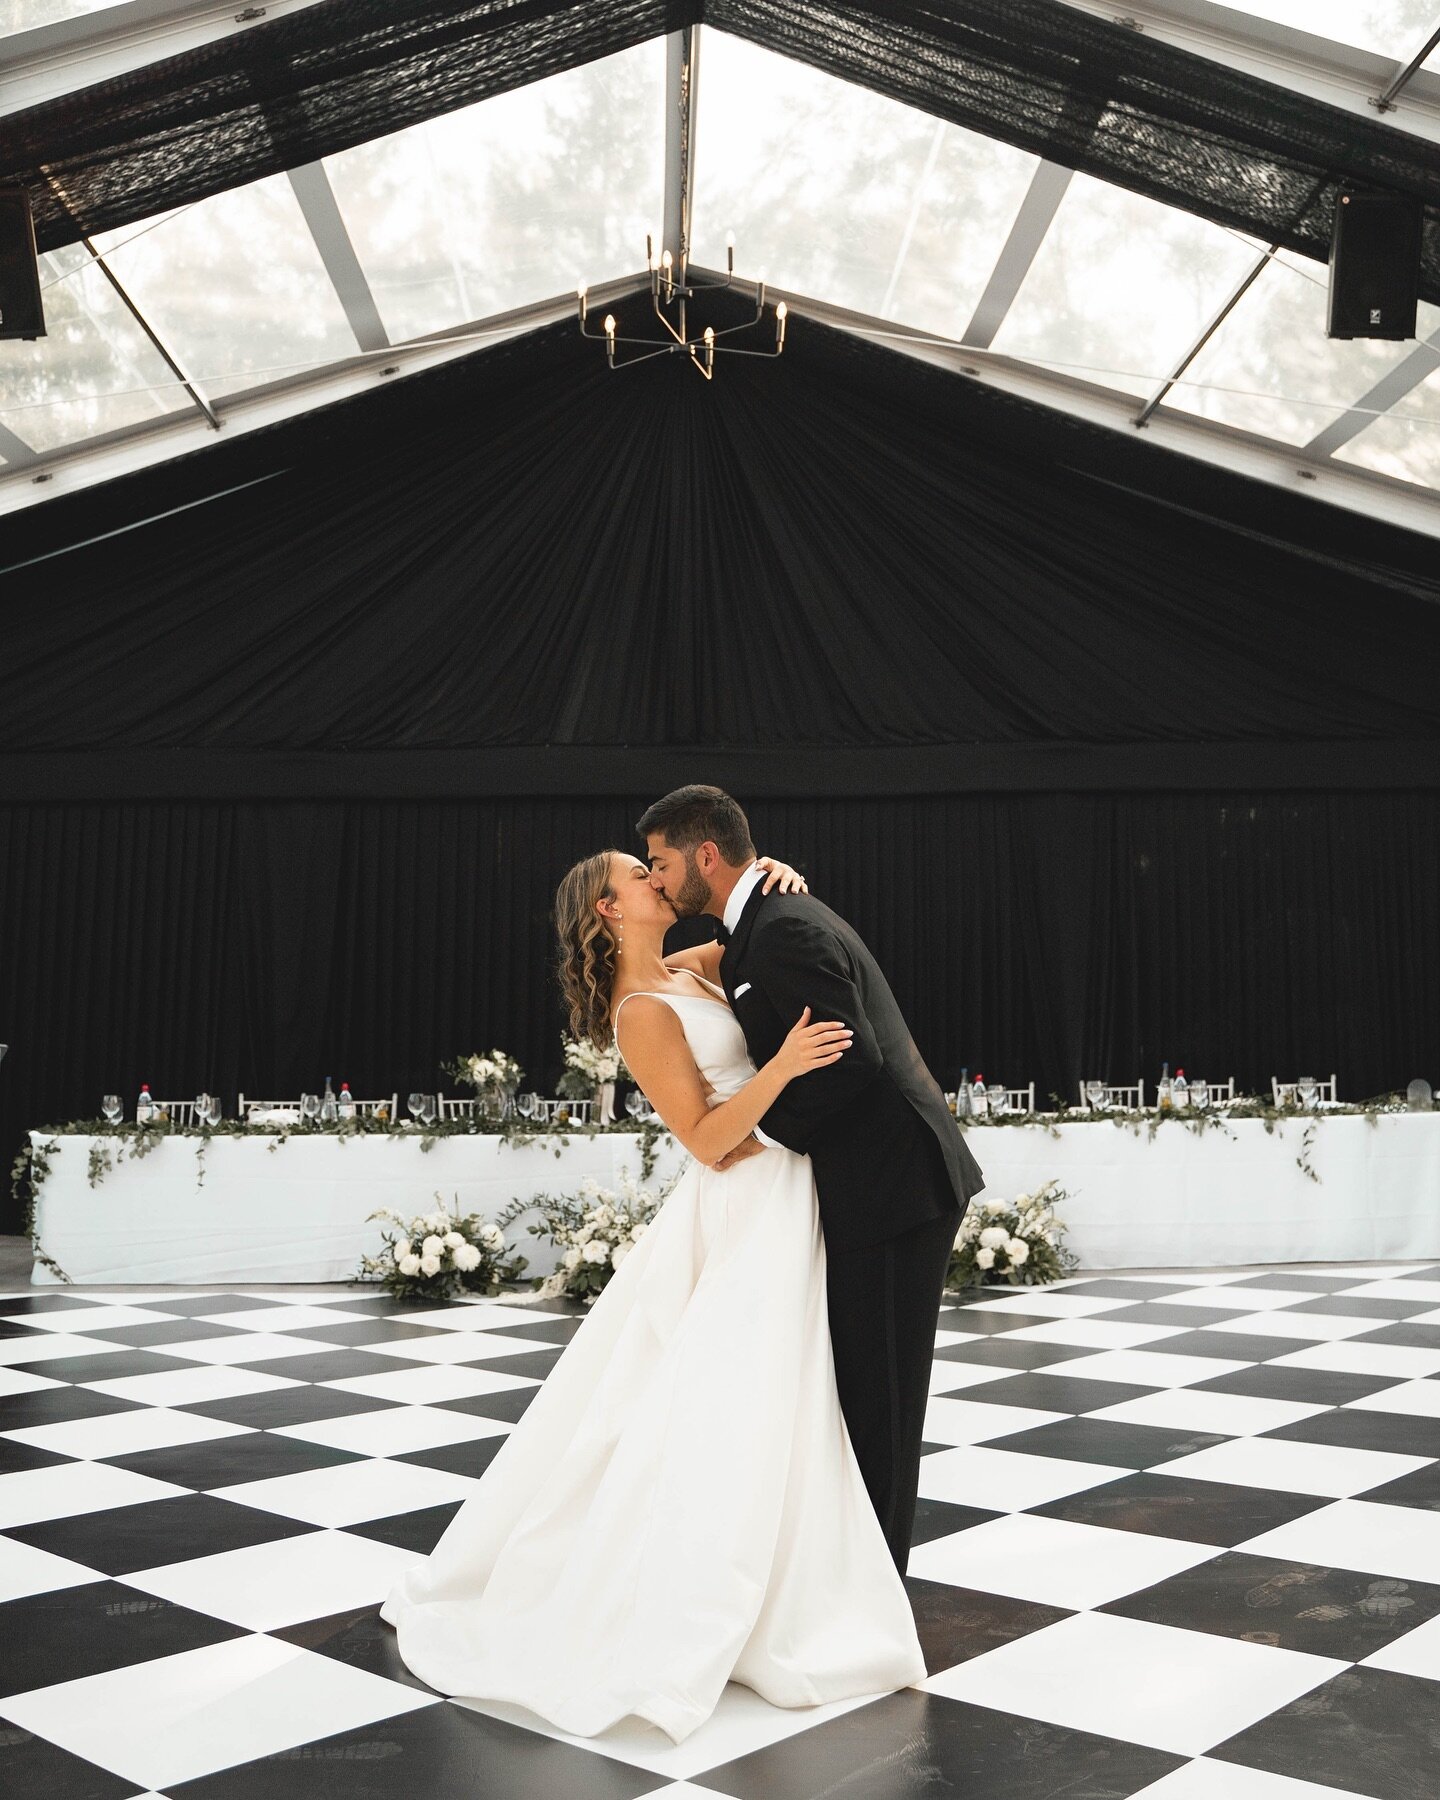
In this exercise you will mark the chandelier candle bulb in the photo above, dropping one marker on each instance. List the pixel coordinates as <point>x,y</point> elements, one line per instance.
<point>782,312</point>
<point>580,295</point>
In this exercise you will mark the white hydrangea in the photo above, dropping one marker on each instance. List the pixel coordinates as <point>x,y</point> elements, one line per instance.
<point>985,1259</point>
<point>602,1215</point>
<point>994,1206</point>
<point>451,1239</point>
<point>429,1265</point>
<point>410,1265</point>
<point>1017,1250</point>
<point>573,1257</point>
<point>994,1237</point>
<point>638,1230</point>
<point>465,1256</point>
<point>597,1252</point>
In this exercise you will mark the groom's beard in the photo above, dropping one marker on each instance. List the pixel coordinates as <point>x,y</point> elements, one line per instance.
<point>694,894</point>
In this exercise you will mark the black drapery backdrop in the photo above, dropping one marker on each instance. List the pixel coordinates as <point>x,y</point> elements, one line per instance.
<point>1113,758</point>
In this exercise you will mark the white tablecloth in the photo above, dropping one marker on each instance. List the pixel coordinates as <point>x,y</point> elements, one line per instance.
<point>1182,1200</point>
<point>296,1213</point>
<point>1200,1199</point>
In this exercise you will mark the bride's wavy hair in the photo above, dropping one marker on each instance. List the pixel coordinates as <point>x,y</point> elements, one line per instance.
<point>585,949</point>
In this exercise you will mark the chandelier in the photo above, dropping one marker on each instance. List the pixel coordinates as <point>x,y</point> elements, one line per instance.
<point>670,294</point>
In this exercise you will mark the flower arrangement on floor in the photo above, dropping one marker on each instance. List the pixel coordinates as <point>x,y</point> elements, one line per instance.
<point>1020,1241</point>
<point>594,1230</point>
<point>436,1255</point>
<point>588,1068</point>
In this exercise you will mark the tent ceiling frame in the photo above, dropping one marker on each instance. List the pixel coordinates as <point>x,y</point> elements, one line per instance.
<point>1385,102</point>
<point>682,101</point>
<point>311,187</point>
<point>166,354</point>
<point>1222,313</point>
<point>1037,212</point>
<point>1403,379</point>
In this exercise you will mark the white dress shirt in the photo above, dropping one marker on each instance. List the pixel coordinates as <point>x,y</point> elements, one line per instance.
<point>734,906</point>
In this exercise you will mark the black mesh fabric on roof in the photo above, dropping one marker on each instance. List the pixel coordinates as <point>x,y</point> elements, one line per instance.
<point>1086,92</point>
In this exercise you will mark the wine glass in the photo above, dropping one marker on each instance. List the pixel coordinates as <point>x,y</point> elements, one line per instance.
<point>635,1103</point>
<point>1305,1088</point>
<point>201,1113</point>
<point>416,1104</point>
<point>999,1100</point>
<point>427,1109</point>
<point>1095,1094</point>
<point>309,1108</point>
<point>215,1111</point>
<point>525,1104</point>
<point>1199,1094</point>
<point>112,1108</point>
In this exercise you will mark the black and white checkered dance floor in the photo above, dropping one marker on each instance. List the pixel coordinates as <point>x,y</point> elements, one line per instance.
<point>1179,1536</point>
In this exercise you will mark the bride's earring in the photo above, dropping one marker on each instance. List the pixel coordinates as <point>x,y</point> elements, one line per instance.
<point>619,933</point>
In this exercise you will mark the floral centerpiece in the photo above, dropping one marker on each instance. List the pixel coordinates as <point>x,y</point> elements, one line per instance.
<point>436,1255</point>
<point>1020,1241</point>
<point>591,1074</point>
<point>594,1231</point>
<point>493,1075</point>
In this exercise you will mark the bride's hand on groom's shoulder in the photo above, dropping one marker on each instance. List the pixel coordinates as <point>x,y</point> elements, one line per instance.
<point>780,874</point>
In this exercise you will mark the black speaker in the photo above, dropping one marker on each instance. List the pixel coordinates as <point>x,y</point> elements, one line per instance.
<point>1374,266</point>
<point>21,314</point>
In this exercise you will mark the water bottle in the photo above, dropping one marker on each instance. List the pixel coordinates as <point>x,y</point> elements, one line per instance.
<point>979,1105</point>
<point>962,1096</point>
<point>329,1111</point>
<point>145,1108</point>
<point>1162,1101</point>
<point>346,1105</point>
<point>1180,1090</point>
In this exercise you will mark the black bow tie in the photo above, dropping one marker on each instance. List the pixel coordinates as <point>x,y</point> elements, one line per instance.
<point>722,932</point>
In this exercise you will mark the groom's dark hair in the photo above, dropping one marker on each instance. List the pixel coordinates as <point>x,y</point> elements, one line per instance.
<point>692,815</point>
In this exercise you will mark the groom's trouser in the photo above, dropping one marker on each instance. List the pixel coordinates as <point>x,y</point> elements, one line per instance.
<point>883,1301</point>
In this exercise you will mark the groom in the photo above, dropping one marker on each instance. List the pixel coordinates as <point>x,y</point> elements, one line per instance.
<point>892,1171</point>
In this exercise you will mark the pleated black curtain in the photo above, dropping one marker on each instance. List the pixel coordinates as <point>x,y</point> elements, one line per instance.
<point>1084,91</point>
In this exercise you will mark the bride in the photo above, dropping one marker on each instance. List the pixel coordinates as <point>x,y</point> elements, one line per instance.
<point>680,1505</point>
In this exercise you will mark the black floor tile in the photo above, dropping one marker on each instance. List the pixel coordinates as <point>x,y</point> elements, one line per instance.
<point>57,1406</point>
<point>69,1632</point>
<point>942,1518</point>
<point>1355,1428</point>
<point>287,1406</point>
<point>13,1328</point>
<point>1010,1353</point>
<point>472,1458</point>
<point>102,1365</point>
<point>552,1331</point>
<point>166,1331</point>
<point>1189,1318</point>
<point>1108,1441</point>
<point>151,1533</point>
<point>979,1323</point>
<point>221,1462</point>
<point>440,1752</point>
<point>1277,1280</point>
<point>360,1638</point>
<point>329,1365</point>
<point>1312,1387</point>
<point>1363,1306</point>
<point>533,1364</point>
<point>194,1306</point>
<point>1199,1512</point>
<point>32,1768</point>
<point>913,1743</point>
<point>368,1331</point>
<point>1367,1731</point>
<point>1111,1288</point>
<point>1054,1393</point>
<point>1407,1336</point>
<point>1234,1346</point>
<point>1420,1488</point>
<point>15,1456</point>
<point>955,1624</point>
<point>417,1531</point>
<point>39,1303</point>
<point>1287,1605</point>
<point>509,1403</point>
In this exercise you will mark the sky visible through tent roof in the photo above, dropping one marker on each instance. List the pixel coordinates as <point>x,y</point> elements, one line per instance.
<point>832,192</point>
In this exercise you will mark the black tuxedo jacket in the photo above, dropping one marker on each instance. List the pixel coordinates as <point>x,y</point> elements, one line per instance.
<point>871,1122</point>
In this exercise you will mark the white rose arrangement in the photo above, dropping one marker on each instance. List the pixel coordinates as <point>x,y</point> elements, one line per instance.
<point>436,1255</point>
<point>491,1073</point>
<point>1020,1241</point>
<point>594,1230</point>
<point>587,1068</point>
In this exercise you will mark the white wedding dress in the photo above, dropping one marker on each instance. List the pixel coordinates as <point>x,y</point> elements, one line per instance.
<point>680,1506</point>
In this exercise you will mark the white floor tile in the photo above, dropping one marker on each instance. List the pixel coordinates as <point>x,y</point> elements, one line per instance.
<point>264,1587</point>
<point>349,1493</point>
<point>92,1318</point>
<point>179,1717</point>
<point>1182,1691</point>
<point>246,1347</point>
<point>58,1343</point>
<point>26,1570</point>
<point>427,1383</point>
<point>1398,1360</point>
<point>741,1723</point>
<point>973,1422</point>
<point>482,1315</point>
<point>1313,1328</point>
<point>271,1320</point>
<point>1053,1561</point>
<point>1415,1653</point>
<point>25,1381</point>
<point>1046,1303</point>
<point>1229,1415</point>
<point>187,1387</point>
<point>1144,1368</point>
<point>1400,1541</point>
<point>1328,1469</point>
<point>1093,1334</point>
<point>395,1430</point>
<point>949,1377</point>
<point>1241,1299</point>
<point>122,1433</point>
<point>1006,1480</point>
<point>1418,1399</point>
<point>1425,1318</point>
<point>63,1489</point>
<point>1418,1291</point>
<point>444,1347</point>
<point>1206,1780</point>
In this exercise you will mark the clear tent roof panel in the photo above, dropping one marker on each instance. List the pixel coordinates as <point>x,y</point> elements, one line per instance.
<point>839,193</point>
<point>1389,27</point>
<point>235,285</point>
<point>95,370</point>
<point>1404,442</point>
<point>512,200</point>
<point>28,15</point>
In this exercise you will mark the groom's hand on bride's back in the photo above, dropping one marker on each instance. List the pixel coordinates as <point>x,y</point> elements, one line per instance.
<point>750,1146</point>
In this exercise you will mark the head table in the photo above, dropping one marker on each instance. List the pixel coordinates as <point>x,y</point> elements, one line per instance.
<point>256,1208</point>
